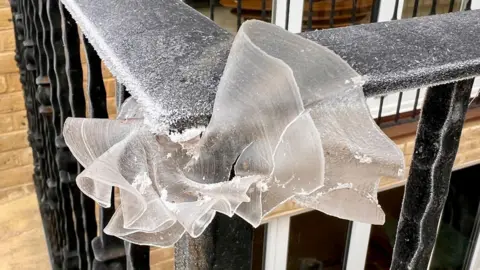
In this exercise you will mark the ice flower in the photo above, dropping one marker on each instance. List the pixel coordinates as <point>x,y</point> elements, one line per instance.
<point>289,122</point>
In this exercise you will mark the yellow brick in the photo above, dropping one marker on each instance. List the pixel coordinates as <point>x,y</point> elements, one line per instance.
<point>8,64</point>
<point>5,18</point>
<point>13,140</point>
<point>110,86</point>
<point>15,158</point>
<point>409,147</point>
<point>106,72</point>
<point>13,82</point>
<point>471,133</point>
<point>10,83</point>
<point>83,57</point>
<point>16,176</point>
<point>20,121</point>
<point>158,255</point>
<point>3,84</point>
<point>465,145</point>
<point>7,41</point>
<point>459,160</point>
<point>13,121</point>
<point>6,123</point>
<point>408,160</point>
<point>165,265</point>
<point>471,156</point>
<point>111,107</point>
<point>4,3</point>
<point>11,102</point>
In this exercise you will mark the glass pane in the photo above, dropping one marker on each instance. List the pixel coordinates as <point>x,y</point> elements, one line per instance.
<point>316,240</point>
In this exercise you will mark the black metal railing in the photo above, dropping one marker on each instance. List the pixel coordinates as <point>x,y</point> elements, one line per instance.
<point>373,9</point>
<point>48,57</point>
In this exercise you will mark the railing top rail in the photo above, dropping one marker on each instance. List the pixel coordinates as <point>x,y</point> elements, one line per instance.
<point>171,57</point>
<point>411,53</point>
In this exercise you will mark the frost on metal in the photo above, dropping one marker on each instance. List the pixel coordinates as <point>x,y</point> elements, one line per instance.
<point>289,122</point>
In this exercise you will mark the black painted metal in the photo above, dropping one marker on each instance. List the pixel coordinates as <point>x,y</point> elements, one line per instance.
<point>399,104</point>
<point>433,9</point>
<point>426,190</point>
<point>212,9</point>
<point>310,15</point>
<point>138,257</point>
<point>415,8</point>
<point>264,10</point>
<point>332,13</point>
<point>50,71</point>
<point>395,11</point>
<point>239,13</point>
<point>380,108</point>
<point>468,262</point>
<point>415,104</point>
<point>86,225</point>
<point>347,245</point>
<point>354,12</point>
<point>450,5</point>
<point>109,251</point>
<point>375,11</point>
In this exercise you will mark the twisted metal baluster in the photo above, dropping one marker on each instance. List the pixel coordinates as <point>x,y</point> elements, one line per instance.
<point>45,109</point>
<point>109,251</point>
<point>138,257</point>
<point>75,250</point>
<point>47,207</point>
<point>70,259</point>
<point>73,65</point>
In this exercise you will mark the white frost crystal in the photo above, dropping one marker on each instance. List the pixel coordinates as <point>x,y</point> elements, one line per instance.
<point>289,122</point>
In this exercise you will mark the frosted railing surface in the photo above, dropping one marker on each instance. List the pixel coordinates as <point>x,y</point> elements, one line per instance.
<point>289,121</point>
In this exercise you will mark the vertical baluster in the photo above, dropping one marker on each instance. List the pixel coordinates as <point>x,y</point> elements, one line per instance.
<point>380,108</point>
<point>332,13</point>
<point>137,257</point>
<point>354,12</point>
<point>48,206</point>
<point>239,13</point>
<point>51,86</point>
<point>108,250</point>
<point>67,165</point>
<point>287,15</point>
<point>469,5</point>
<point>264,10</point>
<point>395,11</point>
<point>415,8</point>
<point>212,9</point>
<point>45,109</point>
<point>84,206</point>
<point>433,9</point>
<point>375,11</point>
<point>310,15</point>
<point>450,6</point>
<point>399,105</point>
<point>415,104</point>
<point>23,56</point>
<point>426,190</point>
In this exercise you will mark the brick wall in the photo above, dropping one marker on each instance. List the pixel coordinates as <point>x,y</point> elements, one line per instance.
<point>15,155</point>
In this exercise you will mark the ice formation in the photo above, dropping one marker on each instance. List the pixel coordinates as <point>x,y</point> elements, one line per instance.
<point>289,122</point>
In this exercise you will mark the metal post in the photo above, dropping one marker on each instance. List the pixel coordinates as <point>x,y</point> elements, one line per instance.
<point>225,244</point>
<point>426,190</point>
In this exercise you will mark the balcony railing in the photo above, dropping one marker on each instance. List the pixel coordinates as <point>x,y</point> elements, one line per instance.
<point>440,53</point>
